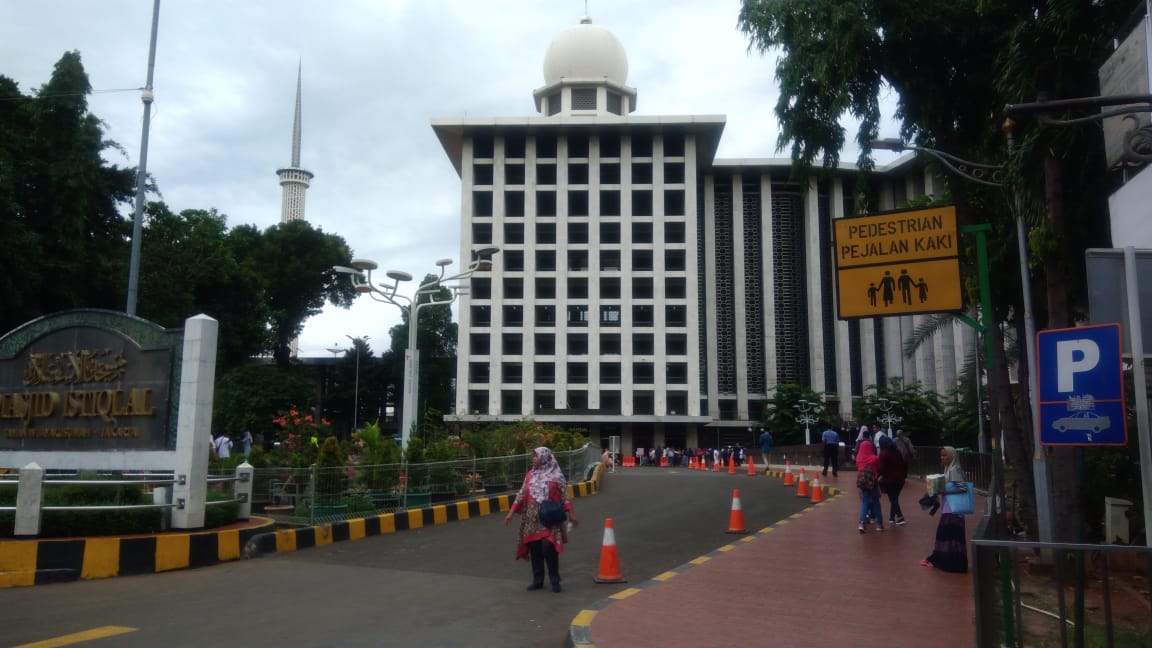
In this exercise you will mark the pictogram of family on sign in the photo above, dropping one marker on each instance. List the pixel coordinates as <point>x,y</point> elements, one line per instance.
<point>904,283</point>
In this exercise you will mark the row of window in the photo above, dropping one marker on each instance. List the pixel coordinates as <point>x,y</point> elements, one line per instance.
<point>516,145</point>
<point>577,203</point>
<point>545,288</point>
<point>610,233</point>
<point>544,344</point>
<point>579,315</point>
<point>578,260</point>
<point>544,400</point>
<point>515,173</point>
<point>643,373</point>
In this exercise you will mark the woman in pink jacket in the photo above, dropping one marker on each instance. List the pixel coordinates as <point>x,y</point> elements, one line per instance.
<point>868,485</point>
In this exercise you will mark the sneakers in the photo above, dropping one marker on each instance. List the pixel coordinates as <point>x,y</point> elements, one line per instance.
<point>861,529</point>
<point>901,522</point>
<point>880,528</point>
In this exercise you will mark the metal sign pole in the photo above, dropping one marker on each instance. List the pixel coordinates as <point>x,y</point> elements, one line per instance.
<point>1140,382</point>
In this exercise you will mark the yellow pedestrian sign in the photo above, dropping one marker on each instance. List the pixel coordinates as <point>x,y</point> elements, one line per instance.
<point>899,263</point>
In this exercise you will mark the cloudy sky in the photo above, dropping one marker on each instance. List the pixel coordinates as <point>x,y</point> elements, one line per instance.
<point>375,73</point>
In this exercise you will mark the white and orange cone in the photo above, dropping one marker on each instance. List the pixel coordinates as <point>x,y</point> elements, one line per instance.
<point>736,519</point>
<point>609,571</point>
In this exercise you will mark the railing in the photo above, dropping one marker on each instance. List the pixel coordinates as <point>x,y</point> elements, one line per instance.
<point>314,494</point>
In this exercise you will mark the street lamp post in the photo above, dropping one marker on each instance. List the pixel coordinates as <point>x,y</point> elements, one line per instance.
<point>361,277</point>
<point>888,418</point>
<point>356,342</point>
<point>807,416</point>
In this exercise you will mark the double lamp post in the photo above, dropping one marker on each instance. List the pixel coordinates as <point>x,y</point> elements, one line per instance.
<point>427,294</point>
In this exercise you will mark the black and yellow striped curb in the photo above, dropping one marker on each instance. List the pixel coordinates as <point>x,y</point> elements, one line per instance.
<point>580,629</point>
<point>324,534</point>
<point>40,562</point>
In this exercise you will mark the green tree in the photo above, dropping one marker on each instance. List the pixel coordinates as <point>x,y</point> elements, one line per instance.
<point>59,200</point>
<point>782,411</point>
<point>249,397</point>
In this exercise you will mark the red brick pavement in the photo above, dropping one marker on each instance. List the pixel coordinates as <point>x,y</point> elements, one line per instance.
<point>810,580</point>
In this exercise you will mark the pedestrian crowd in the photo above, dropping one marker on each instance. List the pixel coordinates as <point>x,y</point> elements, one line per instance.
<point>676,457</point>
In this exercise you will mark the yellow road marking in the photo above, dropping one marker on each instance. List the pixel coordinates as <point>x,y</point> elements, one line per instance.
<point>80,637</point>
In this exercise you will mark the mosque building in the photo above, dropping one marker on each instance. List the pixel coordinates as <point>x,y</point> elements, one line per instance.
<point>646,289</point>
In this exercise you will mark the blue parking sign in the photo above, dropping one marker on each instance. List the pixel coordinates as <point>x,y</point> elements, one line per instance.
<point>1081,384</point>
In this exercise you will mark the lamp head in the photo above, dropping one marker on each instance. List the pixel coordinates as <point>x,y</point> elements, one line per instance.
<point>399,275</point>
<point>364,264</point>
<point>441,263</point>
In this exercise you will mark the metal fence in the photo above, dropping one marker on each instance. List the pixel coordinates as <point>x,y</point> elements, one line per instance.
<point>314,494</point>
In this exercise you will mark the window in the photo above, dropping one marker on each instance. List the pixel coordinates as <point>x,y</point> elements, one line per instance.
<point>673,173</point>
<point>583,98</point>
<point>609,233</point>
<point>514,204</point>
<point>577,260</point>
<point>674,202</point>
<point>513,288</point>
<point>610,287</point>
<point>513,315</point>
<point>512,343</point>
<point>641,173</point>
<point>610,373</point>
<point>554,104</point>
<point>514,233</point>
<point>642,288</point>
<point>673,146</point>
<point>478,372</point>
<point>513,174</point>
<point>546,316</point>
<point>578,233</point>
<point>643,402</point>
<point>578,288</point>
<point>677,402</point>
<point>482,204</point>
<point>515,146</point>
<point>676,315</point>
<point>674,232</point>
<point>609,344</point>
<point>610,173</point>
<point>477,401</point>
<point>511,373</point>
<point>641,147</point>
<point>578,173</point>
<point>482,232</point>
<point>675,288</point>
<point>511,402</point>
<point>546,233</point>
<point>609,203</point>
<point>610,402</point>
<point>545,400</point>
<point>546,174</point>
<point>545,344</point>
<point>610,260</point>
<point>577,344</point>
<point>482,316</point>
<point>578,372</point>
<point>577,203</point>
<point>675,260</point>
<point>615,103</point>
<point>642,202</point>
<point>643,373</point>
<point>578,146</point>
<point>544,372</point>
<point>483,147</point>
<point>478,343</point>
<point>643,344</point>
<point>610,316</point>
<point>643,315</point>
<point>642,260</point>
<point>676,373</point>
<point>545,260</point>
<point>481,174</point>
<point>609,146</point>
<point>641,232</point>
<point>545,288</point>
<point>578,315</point>
<point>513,260</point>
<point>545,203</point>
<point>481,287</point>
<point>676,344</point>
<point>546,145</point>
<point>577,400</point>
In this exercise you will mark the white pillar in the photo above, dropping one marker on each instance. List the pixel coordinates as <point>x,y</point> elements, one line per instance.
<point>194,421</point>
<point>29,498</point>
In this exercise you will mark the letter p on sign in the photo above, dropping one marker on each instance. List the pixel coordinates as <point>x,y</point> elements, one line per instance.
<point>1073,357</point>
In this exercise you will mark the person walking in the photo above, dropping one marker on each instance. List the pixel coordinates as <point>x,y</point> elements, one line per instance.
<point>246,442</point>
<point>766,445</point>
<point>542,543</point>
<point>866,483</point>
<point>831,439</point>
<point>950,553</point>
<point>891,472</point>
<point>223,445</point>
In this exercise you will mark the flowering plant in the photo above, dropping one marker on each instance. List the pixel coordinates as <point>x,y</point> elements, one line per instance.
<point>301,435</point>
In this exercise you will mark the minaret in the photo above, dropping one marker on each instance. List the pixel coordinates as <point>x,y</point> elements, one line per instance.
<point>293,178</point>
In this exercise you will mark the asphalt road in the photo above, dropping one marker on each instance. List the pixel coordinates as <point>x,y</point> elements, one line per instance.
<point>449,585</point>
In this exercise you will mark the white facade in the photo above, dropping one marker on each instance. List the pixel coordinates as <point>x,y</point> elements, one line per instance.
<point>645,289</point>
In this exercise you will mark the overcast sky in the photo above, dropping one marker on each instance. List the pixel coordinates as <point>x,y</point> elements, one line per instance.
<point>375,73</point>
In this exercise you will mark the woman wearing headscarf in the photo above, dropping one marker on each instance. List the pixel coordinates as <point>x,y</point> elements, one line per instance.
<point>950,552</point>
<point>539,543</point>
<point>891,472</point>
<point>866,460</point>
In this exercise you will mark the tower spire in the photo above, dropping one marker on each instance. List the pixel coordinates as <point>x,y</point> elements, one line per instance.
<point>293,178</point>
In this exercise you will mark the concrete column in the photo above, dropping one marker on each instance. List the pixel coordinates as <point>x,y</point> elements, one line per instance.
<point>242,489</point>
<point>29,498</point>
<point>194,421</point>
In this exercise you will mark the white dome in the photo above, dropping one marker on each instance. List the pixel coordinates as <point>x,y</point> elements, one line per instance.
<point>585,51</point>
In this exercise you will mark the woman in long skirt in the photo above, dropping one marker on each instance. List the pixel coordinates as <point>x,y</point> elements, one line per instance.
<point>541,544</point>
<point>950,552</point>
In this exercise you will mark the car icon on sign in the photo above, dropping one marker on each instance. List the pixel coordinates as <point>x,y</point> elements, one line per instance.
<point>1085,421</point>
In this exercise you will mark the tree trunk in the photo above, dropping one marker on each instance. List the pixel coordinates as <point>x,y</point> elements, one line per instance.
<point>1017,438</point>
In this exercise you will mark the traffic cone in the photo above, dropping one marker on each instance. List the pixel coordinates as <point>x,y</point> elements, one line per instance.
<point>609,559</point>
<point>736,519</point>
<point>731,465</point>
<point>802,485</point>
<point>817,491</point>
<point>789,478</point>
<point>751,464</point>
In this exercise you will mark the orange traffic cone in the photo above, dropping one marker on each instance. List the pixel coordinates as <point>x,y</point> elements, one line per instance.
<point>802,485</point>
<point>731,465</point>
<point>789,478</point>
<point>817,491</point>
<point>736,519</point>
<point>609,559</point>
<point>751,464</point>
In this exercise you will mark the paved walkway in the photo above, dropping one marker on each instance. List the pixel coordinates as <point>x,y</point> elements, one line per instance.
<point>810,580</point>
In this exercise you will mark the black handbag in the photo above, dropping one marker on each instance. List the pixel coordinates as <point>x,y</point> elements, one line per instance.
<point>552,513</point>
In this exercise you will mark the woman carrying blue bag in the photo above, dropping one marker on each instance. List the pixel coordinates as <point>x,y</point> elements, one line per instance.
<point>951,552</point>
